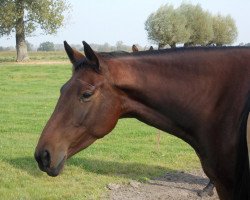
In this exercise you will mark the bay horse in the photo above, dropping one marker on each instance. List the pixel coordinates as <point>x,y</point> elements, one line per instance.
<point>201,95</point>
<point>208,189</point>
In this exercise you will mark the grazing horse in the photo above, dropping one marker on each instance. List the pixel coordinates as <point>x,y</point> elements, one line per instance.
<point>201,95</point>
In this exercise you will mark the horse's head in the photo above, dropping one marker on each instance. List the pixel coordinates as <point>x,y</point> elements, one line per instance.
<point>87,109</point>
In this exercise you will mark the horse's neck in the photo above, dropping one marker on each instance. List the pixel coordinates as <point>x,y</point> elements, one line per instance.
<point>155,93</point>
<point>145,74</point>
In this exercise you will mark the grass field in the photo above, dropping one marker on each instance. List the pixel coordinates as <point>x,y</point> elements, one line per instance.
<point>28,94</point>
<point>10,56</point>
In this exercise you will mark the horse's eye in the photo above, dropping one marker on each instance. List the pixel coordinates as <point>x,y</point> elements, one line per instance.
<point>85,96</point>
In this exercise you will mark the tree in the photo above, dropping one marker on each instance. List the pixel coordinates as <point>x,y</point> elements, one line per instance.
<point>24,16</point>
<point>225,30</point>
<point>105,47</point>
<point>199,24</point>
<point>167,26</point>
<point>119,45</point>
<point>46,46</point>
<point>191,25</point>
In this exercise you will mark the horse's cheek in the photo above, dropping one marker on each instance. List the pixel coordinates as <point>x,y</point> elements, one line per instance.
<point>106,118</point>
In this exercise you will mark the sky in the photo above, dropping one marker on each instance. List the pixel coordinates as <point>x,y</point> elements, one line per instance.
<point>100,21</point>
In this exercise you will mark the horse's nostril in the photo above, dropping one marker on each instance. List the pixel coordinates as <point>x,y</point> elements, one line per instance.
<point>45,158</point>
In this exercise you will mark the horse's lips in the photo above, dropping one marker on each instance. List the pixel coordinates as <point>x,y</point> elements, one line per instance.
<point>55,171</point>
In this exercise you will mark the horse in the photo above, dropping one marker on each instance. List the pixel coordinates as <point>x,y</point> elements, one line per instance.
<point>208,189</point>
<point>151,48</point>
<point>134,48</point>
<point>200,95</point>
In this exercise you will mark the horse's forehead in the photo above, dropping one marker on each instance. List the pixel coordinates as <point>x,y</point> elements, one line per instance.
<point>87,76</point>
<point>83,74</point>
<point>73,81</point>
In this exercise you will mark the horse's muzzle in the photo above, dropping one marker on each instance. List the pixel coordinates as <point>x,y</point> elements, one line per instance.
<point>43,159</point>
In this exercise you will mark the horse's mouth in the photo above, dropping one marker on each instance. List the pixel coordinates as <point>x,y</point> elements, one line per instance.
<point>54,171</point>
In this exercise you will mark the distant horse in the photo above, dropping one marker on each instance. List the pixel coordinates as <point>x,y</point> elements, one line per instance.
<point>134,48</point>
<point>201,95</point>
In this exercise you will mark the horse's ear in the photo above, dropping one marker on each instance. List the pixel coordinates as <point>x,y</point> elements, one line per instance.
<point>91,55</point>
<point>73,54</point>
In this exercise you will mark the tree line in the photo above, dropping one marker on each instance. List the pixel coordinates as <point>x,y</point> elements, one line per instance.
<point>106,47</point>
<point>189,25</point>
<point>50,46</point>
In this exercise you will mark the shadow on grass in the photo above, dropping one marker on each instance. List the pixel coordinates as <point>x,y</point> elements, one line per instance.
<point>127,169</point>
<point>109,168</point>
<point>26,164</point>
<point>135,171</point>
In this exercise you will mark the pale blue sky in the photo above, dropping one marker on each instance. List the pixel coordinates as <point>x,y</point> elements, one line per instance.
<point>100,21</point>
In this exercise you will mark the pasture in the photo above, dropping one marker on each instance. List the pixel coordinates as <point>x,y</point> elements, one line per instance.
<point>28,94</point>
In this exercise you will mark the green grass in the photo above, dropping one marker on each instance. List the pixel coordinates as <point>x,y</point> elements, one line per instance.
<point>28,94</point>
<point>10,56</point>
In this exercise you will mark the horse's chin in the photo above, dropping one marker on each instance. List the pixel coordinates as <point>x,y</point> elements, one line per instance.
<point>55,171</point>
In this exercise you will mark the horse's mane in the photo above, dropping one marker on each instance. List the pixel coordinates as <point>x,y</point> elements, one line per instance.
<point>113,53</point>
<point>84,62</point>
<point>183,49</point>
<point>118,54</point>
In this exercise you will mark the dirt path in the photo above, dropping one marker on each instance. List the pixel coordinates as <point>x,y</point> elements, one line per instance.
<point>172,186</point>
